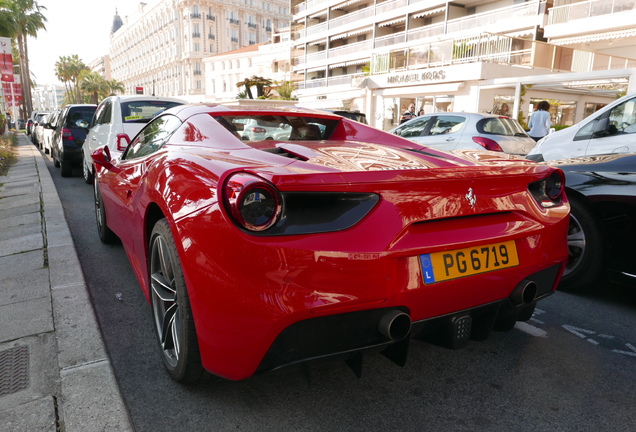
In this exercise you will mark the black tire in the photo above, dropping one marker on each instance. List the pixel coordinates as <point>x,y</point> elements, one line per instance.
<point>87,172</point>
<point>105,233</point>
<point>171,311</point>
<point>66,169</point>
<point>585,243</point>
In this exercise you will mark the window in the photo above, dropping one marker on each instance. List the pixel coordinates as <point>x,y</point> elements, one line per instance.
<point>447,125</point>
<point>103,114</point>
<point>415,128</point>
<point>153,137</point>
<point>623,117</point>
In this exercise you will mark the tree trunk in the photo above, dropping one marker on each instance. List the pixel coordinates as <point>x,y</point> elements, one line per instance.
<point>26,81</point>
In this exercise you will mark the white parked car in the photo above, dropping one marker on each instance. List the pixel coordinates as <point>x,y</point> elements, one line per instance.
<point>610,130</point>
<point>116,122</point>
<point>459,131</point>
<point>48,131</point>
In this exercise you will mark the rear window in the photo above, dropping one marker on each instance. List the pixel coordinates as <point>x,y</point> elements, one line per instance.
<point>80,113</point>
<point>279,127</point>
<point>144,111</point>
<point>500,126</point>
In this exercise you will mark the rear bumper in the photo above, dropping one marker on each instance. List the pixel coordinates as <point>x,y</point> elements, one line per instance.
<point>348,333</point>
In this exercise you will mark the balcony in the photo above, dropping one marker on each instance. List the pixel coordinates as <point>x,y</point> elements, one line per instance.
<point>234,39</point>
<point>211,37</point>
<point>234,21</point>
<point>252,25</point>
<point>503,19</point>
<point>493,48</point>
<point>196,35</point>
<point>195,15</point>
<point>210,17</point>
<point>590,16</point>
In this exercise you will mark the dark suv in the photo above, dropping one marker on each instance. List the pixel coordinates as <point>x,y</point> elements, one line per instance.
<point>69,136</point>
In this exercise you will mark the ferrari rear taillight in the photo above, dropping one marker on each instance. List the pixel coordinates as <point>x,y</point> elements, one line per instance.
<point>122,141</point>
<point>549,191</point>
<point>487,143</point>
<point>67,135</point>
<point>252,202</point>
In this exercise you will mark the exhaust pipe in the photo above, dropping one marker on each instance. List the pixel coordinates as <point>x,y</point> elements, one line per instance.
<point>524,293</point>
<point>395,325</point>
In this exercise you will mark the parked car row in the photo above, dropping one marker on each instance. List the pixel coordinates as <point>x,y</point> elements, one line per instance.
<point>375,232</point>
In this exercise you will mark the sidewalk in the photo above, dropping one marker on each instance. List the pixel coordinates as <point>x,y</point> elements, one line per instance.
<point>55,374</point>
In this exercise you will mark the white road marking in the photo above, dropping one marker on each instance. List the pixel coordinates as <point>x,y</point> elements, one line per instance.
<point>530,329</point>
<point>629,353</point>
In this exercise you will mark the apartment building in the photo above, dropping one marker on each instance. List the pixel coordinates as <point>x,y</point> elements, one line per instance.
<point>224,72</point>
<point>160,48</point>
<point>464,55</point>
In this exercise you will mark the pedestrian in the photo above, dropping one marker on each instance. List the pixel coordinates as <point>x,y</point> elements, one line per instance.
<point>421,112</point>
<point>540,122</point>
<point>408,114</point>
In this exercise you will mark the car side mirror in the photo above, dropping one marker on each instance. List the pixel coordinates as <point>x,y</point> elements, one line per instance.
<point>102,156</point>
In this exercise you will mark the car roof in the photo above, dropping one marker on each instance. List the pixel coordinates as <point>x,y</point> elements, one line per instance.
<point>129,98</point>
<point>185,111</point>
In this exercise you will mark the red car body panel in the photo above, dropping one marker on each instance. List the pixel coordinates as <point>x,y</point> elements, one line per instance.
<point>246,289</point>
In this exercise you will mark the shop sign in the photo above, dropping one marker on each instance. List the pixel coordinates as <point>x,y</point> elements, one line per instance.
<point>417,77</point>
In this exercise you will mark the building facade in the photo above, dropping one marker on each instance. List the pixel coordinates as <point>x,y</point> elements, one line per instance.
<point>224,72</point>
<point>464,55</point>
<point>48,97</point>
<point>160,48</point>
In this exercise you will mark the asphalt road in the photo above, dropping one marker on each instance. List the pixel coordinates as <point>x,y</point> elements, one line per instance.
<point>571,368</point>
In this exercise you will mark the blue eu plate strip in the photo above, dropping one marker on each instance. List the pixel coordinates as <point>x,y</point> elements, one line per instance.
<point>427,268</point>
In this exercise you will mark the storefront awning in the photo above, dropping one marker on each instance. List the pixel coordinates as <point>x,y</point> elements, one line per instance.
<point>520,34</point>
<point>594,37</point>
<point>345,4</point>
<point>428,12</point>
<point>395,21</point>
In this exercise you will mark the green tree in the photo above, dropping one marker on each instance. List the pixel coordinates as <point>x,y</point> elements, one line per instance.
<point>68,70</point>
<point>20,19</point>
<point>93,84</point>
<point>286,90</point>
<point>115,87</point>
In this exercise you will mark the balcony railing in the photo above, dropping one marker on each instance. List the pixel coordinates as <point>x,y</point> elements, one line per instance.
<point>234,21</point>
<point>252,25</point>
<point>196,35</point>
<point>211,36</point>
<point>486,47</point>
<point>353,48</point>
<point>391,39</point>
<point>340,80</point>
<point>492,18</point>
<point>351,17</point>
<point>588,9</point>
<point>195,15</point>
<point>211,17</point>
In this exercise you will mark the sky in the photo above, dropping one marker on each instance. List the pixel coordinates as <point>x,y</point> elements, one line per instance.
<point>79,27</point>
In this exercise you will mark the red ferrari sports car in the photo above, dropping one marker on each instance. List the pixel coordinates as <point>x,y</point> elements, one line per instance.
<point>332,240</point>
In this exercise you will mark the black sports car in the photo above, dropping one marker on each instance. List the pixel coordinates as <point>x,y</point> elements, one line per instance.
<point>602,234</point>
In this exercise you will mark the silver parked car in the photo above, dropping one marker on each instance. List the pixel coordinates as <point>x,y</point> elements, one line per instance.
<point>459,131</point>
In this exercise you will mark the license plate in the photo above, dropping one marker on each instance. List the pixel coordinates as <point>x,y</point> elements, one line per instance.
<point>441,266</point>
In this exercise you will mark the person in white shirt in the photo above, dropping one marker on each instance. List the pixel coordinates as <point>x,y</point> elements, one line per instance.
<point>540,122</point>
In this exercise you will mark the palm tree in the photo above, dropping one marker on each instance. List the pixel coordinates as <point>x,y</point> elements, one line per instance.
<point>247,83</point>
<point>27,19</point>
<point>68,70</point>
<point>94,84</point>
<point>115,86</point>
